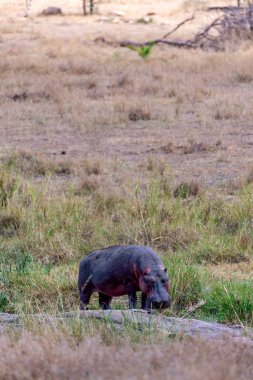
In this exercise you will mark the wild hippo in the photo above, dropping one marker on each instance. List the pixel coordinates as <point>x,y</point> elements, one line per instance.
<point>124,269</point>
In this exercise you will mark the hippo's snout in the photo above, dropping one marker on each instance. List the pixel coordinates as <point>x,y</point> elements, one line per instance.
<point>154,303</point>
<point>162,304</point>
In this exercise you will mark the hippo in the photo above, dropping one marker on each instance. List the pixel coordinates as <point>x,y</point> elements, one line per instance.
<point>123,270</point>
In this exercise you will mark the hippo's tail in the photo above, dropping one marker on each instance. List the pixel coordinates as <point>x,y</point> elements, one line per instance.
<point>84,275</point>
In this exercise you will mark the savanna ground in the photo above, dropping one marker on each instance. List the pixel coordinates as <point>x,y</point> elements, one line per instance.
<point>99,147</point>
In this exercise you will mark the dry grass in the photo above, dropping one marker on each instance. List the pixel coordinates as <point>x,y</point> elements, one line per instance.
<point>240,271</point>
<point>30,356</point>
<point>29,164</point>
<point>87,185</point>
<point>92,100</point>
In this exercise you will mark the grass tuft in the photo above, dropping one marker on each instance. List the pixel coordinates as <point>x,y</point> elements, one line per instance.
<point>9,225</point>
<point>137,114</point>
<point>186,285</point>
<point>185,190</point>
<point>30,165</point>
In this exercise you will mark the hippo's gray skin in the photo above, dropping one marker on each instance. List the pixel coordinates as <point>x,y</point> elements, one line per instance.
<point>124,269</point>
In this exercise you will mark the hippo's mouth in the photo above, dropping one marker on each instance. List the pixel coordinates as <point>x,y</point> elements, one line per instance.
<point>157,305</point>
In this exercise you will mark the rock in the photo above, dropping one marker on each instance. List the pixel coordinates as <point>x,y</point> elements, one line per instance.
<point>117,13</point>
<point>169,325</point>
<point>144,20</point>
<point>101,40</point>
<point>8,318</point>
<point>174,326</point>
<point>104,19</point>
<point>52,11</point>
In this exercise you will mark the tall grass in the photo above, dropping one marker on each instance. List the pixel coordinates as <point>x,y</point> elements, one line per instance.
<point>43,234</point>
<point>231,302</point>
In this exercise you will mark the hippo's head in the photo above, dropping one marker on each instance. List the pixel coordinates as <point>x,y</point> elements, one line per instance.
<point>154,283</point>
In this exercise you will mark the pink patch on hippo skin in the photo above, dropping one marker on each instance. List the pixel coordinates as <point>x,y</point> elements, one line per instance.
<point>147,270</point>
<point>114,291</point>
<point>136,272</point>
<point>143,286</point>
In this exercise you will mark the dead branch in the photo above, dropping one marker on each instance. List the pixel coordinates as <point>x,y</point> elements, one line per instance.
<point>178,44</point>
<point>193,308</point>
<point>216,23</point>
<point>226,9</point>
<point>178,26</point>
<point>229,27</point>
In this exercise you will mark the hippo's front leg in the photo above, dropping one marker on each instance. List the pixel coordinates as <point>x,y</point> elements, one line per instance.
<point>143,300</point>
<point>131,292</point>
<point>132,300</point>
<point>105,301</point>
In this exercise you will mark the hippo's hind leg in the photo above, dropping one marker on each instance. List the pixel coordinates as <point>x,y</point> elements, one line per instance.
<point>105,301</point>
<point>85,298</point>
<point>86,289</point>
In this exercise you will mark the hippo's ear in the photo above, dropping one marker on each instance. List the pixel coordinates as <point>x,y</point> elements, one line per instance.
<point>165,270</point>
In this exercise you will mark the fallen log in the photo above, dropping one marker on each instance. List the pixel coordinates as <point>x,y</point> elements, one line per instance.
<point>142,319</point>
<point>178,44</point>
<point>226,9</point>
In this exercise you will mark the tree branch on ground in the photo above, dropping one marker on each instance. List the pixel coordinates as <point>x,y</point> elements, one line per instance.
<point>229,27</point>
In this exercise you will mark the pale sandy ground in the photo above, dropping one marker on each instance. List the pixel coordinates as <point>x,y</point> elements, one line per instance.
<point>131,8</point>
<point>166,13</point>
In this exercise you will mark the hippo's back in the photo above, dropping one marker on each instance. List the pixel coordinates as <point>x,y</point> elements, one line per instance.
<point>119,256</point>
<point>119,251</point>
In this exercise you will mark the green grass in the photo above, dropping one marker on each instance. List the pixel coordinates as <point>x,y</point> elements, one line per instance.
<point>44,233</point>
<point>230,302</point>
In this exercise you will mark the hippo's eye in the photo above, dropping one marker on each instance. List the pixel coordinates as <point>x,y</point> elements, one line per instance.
<point>163,281</point>
<point>151,280</point>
